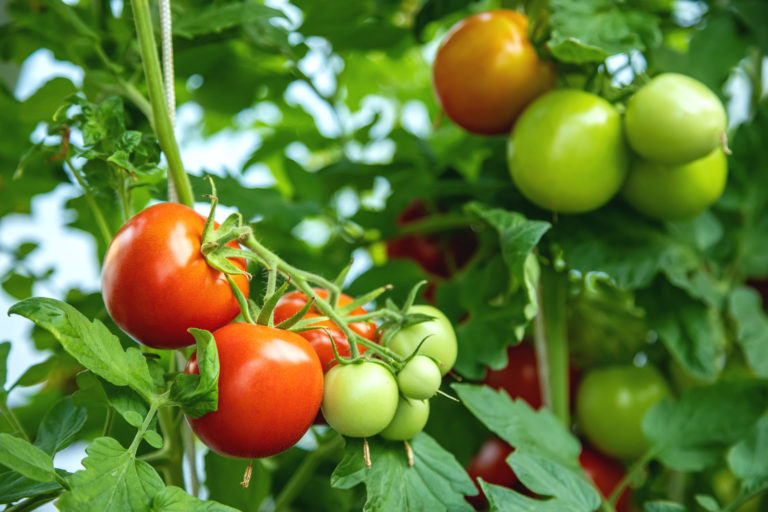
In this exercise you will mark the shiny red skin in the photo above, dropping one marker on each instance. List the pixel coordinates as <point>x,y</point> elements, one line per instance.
<point>490,464</point>
<point>322,343</point>
<point>270,389</point>
<point>606,474</point>
<point>156,284</point>
<point>290,304</point>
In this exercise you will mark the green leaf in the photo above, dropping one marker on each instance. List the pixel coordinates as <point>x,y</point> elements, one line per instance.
<point>42,105</point>
<point>690,434</point>
<point>539,432</point>
<point>173,499</point>
<point>745,307</point>
<point>5,349</point>
<point>198,393</point>
<point>392,484</point>
<point>663,506</point>
<point>707,502</point>
<point>14,487</point>
<point>747,458</point>
<point>38,373</point>
<point>112,480</point>
<point>223,476</point>
<point>502,498</point>
<point>90,343</point>
<point>432,10</point>
<point>26,459</point>
<point>592,30</point>
<point>60,426</point>
<point>216,18</point>
<point>18,286</point>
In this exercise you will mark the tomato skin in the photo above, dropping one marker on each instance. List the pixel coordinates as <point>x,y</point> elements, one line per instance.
<point>520,378</point>
<point>420,378</point>
<point>270,389</point>
<point>567,152</point>
<point>410,418</point>
<point>486,71</point>
<point>290,304</point>
<point>676,192</point>
<point>610,406</point>
<point>674,119</point>
<point>322,342</point>
<point>490,464</point>
<point>156,284</point>
<point>606,474</point>
<point>440,343</point>
<point>359,399</point>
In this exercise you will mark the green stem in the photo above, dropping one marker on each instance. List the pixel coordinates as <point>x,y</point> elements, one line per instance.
<point>106,233</point>
<point>173,449</point>
<point>305,471</point>
<point>108,421</point>
<point>636,468</point>
<point>144,426</point>
<point>743,498</point>
<point>13,421</point>
<point>552,343</point>
<point>163,125</point>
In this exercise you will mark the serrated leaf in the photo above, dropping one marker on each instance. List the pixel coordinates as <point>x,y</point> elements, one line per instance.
<point>216,18</point>
<point>539,432</point>
<point>745,307</point>
<point>90,343</point>
<point>392,484</point>
<point>173,499</point>
<point>663,506</point>
<point>26,459</point>
<point>112,480</point>
<point>199,393</point>
<point>60,425</point>
<point>747,458</point>
<point>690,434</point>
<point>503,499</point>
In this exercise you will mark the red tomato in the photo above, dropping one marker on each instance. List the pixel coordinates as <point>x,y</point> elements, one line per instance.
<point>270,389</point>
<point>606,474</point>
<point>322,343</point>
<point>487,71</point>
<point>290,304</point>
<point>156,284</point>
<point>490,464</point>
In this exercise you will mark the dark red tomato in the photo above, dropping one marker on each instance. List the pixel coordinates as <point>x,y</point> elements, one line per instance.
<point>270,389</point>
<point>520,378</point>
<point>606,474</point>
<point>490,464</point>
<point>322,343</point>
<point>290,304</point>
<point>156,284</point>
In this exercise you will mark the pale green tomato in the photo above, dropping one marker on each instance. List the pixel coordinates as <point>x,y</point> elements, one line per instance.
<point>674,119</point>
<point>674,192</point>
<point>409,420</point>
<point>567,152</point>
<point>440,337</point>
<point>420,378</point>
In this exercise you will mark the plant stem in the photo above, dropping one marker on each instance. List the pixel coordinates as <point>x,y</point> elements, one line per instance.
<point>305,471</point>
<point>163,125</point>
<point>144,426</point>
<point>106,233</point>
<point>171,462</point>
<point>13,421</point>
<point>630,476</point>
<point>552,342</point>
<point>743,498</point>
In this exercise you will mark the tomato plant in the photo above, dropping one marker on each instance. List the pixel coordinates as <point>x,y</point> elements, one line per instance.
<point>156,283</point>
<point>270,388</point>
<point>486,71</point>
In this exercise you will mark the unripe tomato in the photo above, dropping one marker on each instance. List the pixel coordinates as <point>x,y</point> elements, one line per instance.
<point>359,399</point>
<point>410,418</point>
<point>270,388</point>
<point>420,378</point>
<point>674,119</point>
<point>611,404</point>
<point>290,304</point>
<point>674,192</point>
<point>486,71</point>
<point>440,337</point>
<point>567,152</point>
<point>606,474</point>
<point>156,283</point>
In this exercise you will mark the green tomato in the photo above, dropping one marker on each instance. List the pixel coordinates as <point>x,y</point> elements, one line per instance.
<point>674,119</point>
<point>409,420</point>
<point>675,192</point>
<point>440,337</point>
<point>567,152</point>
<point>420,378</point>
<point>611,404</point>
<point>360,399</point>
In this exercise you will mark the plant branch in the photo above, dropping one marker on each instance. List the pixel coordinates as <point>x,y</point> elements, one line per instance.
<point>101,222</point>
<point>630,476</point>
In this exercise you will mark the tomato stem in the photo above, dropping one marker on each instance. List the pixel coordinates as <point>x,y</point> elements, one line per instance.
<point>98,215</point>
<point>636,468</point>
<point>162,125</point>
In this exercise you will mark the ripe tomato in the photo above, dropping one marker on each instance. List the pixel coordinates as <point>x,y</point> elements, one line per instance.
<point>486,71</point>
<point>420,378</point>
<point>674,119</point>
<point>440,338</point>
<point>410,418</point>
<point>321,341</point>
<point>156,284</point>
<point>359,399</point>
<point>490,464</point>
<point>290,304</point>
<point>610,406</point>
<point>270,389</point>
<point>674,192</point>
<point>567,152</point>
<point>606,474</point>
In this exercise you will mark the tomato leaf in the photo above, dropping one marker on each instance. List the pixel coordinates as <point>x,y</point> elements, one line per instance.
<point>746,309</point>
<point>14,486</point>
<point>26,459</point>
<point>729,409</point>
<point>216,18</point>
<point>436,481</point>
<point>663,506</point>
<point>60,426</point>
<point>5,349</point>
<point>198,393</point>
<point>539,432</point>
<point>90,343</point>
<point>502,498</point>
<point>747,458</point>
<point>173,499</point>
